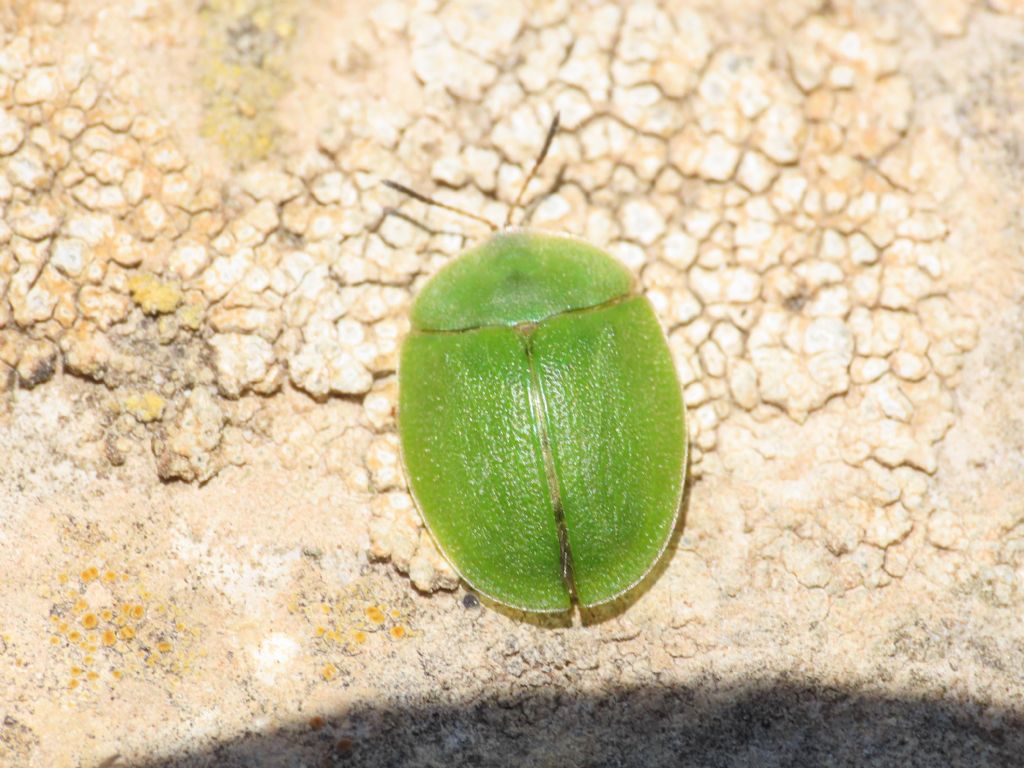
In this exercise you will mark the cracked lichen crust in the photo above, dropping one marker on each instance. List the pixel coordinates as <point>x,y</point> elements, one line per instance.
<point>542,422</point>
<point>787,204</point>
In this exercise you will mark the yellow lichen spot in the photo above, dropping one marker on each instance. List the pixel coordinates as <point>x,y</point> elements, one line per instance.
<point>375,614</point>
<point>153,295</point>
<point>76,671</point>
<point>89,621</point>
<point>284,28</point>
<point>80,605</point>
<point>54,640</point>
<point>190,316</point>
<point>90,574</point>
<point>88,661</point>
<point>72,685</point>
<point>127,633</point>
<point>62,578</point>
<point>164,647</point>
<point>329,672</point>
<point>74,636</point>
<point>398,632</point>
<point>92,676</point>
<point>63,627</point>
<point>180,626</point>
<point>320,631</point>
<point>106,615</point>
<point>359,636</point>
<point>147,407</point>
<point>109,576</point>
<point>395,613</point>
<point>137,612</point>
<point>109,637</point>
<point>117,674</point>
<point>325,608</point>
<point>333,635</point>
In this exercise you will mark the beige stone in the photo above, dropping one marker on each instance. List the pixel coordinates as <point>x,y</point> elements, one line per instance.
<point>201,245</point>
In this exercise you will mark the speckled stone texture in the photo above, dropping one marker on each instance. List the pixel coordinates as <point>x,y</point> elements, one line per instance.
<point>210,556</point>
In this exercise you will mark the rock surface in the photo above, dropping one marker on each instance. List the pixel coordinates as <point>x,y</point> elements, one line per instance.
<point>211,557</point>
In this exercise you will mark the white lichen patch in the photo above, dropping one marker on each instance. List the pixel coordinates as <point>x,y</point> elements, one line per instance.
<point>782,209</point>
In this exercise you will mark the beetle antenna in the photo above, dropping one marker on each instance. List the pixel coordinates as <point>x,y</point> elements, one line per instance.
<point>438,204</point>
<point>531,207</point>
<point>552,130</point>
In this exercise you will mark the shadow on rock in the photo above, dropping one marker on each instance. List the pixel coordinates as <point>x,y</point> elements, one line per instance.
<point>765,724</point>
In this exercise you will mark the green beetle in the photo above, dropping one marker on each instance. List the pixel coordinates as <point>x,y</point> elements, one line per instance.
<point>541,420</point>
